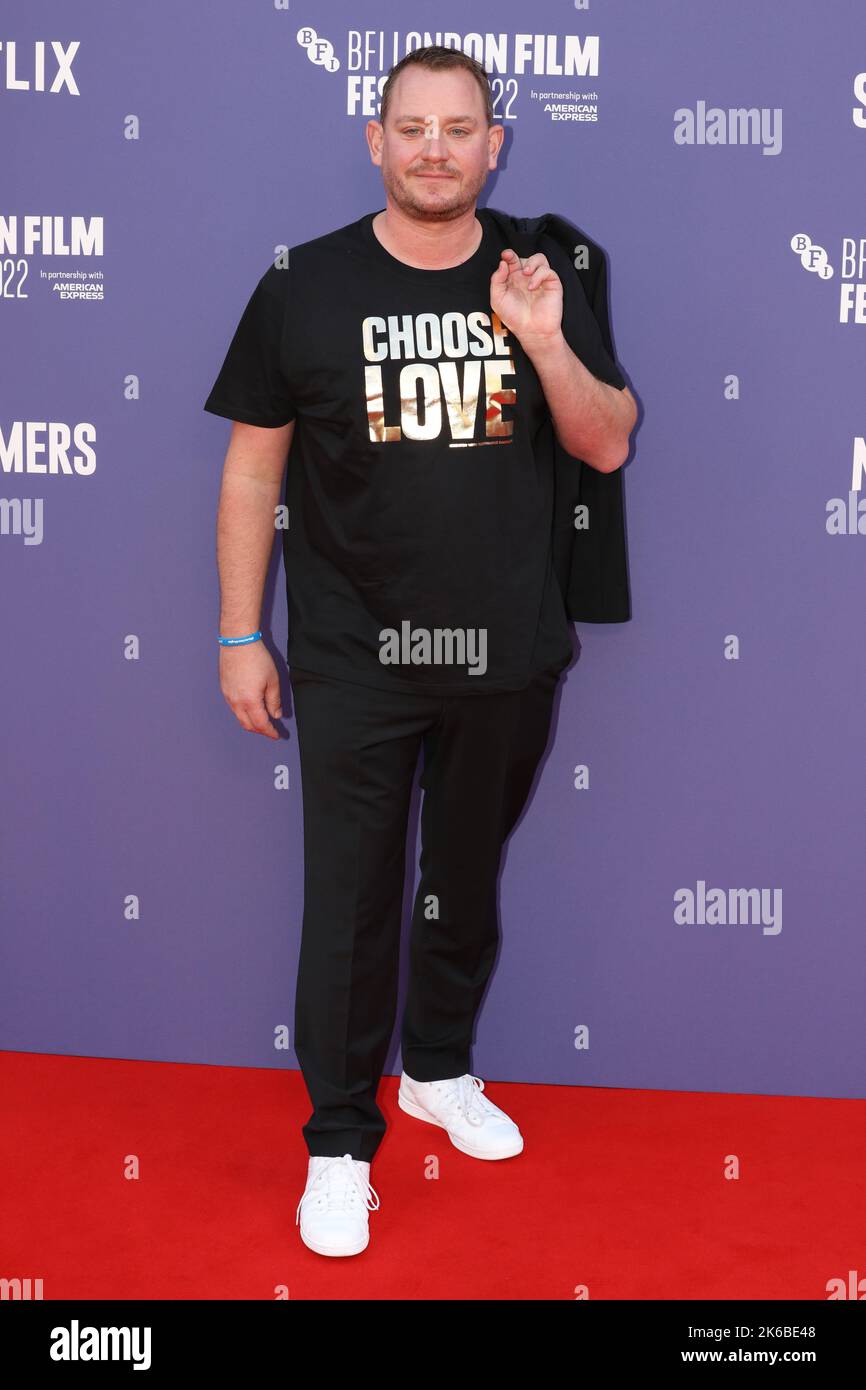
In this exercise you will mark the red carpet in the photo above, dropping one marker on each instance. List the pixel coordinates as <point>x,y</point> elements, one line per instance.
<point>621,1191</point>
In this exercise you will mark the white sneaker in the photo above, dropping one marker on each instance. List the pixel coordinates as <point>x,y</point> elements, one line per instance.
<point>334,1209</point>
<point>473,1123</point>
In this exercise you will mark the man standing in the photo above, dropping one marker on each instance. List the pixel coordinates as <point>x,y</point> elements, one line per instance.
<point>412,363</point>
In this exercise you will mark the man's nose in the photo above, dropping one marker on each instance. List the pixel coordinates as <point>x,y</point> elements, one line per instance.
<point>434,148</point>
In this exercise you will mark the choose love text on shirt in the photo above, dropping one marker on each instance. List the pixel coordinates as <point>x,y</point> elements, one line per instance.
<point>428,397</point>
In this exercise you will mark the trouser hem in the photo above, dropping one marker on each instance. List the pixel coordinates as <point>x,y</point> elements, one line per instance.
<point>430,1067</point>
<point>335,1149</point>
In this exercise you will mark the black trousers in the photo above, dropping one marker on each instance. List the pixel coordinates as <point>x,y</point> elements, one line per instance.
<point>358,750</point>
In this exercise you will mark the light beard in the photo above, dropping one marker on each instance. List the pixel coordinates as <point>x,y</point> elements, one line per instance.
<point>463,201</point>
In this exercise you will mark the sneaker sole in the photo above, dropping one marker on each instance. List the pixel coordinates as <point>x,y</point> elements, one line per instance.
<point>324,1250</point>
<point>415,1110</point>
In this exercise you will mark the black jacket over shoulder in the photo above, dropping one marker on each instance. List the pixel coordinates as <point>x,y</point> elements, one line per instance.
<point>591,564</point>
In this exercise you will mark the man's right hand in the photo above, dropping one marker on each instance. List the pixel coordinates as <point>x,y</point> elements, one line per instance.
<point>250,682</point>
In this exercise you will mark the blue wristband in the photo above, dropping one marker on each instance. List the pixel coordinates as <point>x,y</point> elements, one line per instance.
<point>239,641</point>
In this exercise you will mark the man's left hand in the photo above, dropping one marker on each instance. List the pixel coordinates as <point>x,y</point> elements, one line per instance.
<point>527,296</point>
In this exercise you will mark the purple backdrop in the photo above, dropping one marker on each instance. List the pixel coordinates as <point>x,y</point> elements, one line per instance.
<point>722,728</point>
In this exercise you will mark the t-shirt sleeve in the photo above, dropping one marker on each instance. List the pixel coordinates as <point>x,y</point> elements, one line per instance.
<point>252,386</point>
<point>586,320</point>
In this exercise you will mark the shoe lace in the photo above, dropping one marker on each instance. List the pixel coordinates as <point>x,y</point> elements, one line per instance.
<point>340,1184</point>
<point>466,1094</point>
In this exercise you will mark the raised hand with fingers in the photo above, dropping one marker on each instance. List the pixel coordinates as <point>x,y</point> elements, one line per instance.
<point>527,295</point>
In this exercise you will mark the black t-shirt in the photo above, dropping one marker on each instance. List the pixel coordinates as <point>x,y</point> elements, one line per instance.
<point>420,481</point>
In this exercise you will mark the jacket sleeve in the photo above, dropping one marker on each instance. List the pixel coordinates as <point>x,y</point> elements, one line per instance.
<point>585,319</point>
<point>601,315</point>
<point>590,558</point>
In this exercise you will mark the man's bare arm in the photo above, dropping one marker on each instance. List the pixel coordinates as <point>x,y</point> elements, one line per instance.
<point>251,486</point>
<point>592,420</point>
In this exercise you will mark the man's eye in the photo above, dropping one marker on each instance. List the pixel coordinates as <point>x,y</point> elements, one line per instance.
<point>410,130</point>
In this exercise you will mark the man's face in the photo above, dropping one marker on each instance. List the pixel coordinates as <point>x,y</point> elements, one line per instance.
<point>436,149</point>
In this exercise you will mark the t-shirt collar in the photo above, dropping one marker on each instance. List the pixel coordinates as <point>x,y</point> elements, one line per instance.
<point>465,271</point>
